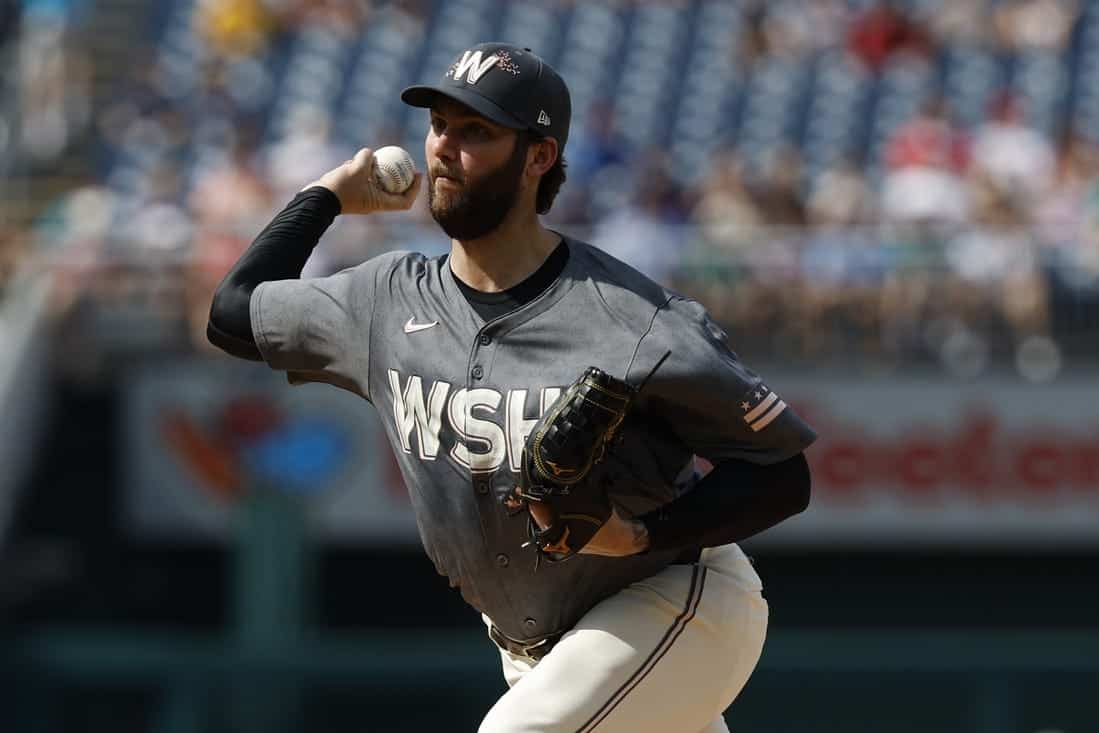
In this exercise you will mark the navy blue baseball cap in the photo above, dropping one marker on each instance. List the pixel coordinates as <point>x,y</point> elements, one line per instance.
<point>509,85</point>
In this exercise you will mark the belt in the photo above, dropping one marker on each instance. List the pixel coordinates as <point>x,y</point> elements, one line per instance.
<point>538,648</point>
<point>534,650</point>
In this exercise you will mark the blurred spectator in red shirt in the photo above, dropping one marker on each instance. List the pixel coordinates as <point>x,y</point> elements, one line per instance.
<point>925,159</point>
<point>883,30</point>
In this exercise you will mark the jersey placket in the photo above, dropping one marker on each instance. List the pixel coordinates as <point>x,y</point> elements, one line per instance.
<point>490,510</point>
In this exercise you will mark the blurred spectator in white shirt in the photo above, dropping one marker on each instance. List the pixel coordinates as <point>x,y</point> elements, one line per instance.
<point>1015,160</point>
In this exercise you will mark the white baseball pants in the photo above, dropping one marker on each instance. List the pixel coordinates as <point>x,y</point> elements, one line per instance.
<point>664,655</point>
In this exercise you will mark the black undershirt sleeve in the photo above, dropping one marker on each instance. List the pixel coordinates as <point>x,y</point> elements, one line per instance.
<point>736,500</point>
<point>278,253</point>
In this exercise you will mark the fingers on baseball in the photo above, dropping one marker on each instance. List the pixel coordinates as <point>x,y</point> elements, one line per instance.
<point>404,200</point>
<point>364,159</point>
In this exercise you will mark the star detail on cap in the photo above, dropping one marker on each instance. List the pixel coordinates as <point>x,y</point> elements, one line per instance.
<point>745,406</point>
<point>506,63</point>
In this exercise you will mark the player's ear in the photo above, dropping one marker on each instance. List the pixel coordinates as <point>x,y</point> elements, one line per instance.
<point>541,156</point>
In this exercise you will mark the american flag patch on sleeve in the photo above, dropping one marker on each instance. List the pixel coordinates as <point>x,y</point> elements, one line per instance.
<point>761,406</point>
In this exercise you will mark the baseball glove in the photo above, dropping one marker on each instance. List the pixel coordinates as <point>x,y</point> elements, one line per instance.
<point>566,443</point>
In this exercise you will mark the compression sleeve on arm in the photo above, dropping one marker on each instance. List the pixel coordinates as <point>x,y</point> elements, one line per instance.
<point>278,253</point>
<point>734,501</point>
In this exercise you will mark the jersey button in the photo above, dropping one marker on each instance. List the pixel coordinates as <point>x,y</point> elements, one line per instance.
<point>485,339</point>
<point>481,485</point>
<point>502,560</point>
<point>478,372</point>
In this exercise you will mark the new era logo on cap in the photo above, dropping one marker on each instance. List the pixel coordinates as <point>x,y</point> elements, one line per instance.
<point>543,118</point>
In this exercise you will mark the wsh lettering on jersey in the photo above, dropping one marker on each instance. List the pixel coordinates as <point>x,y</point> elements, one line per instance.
<point>487,427</point>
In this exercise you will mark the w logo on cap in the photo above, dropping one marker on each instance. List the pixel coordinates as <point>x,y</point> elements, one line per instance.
<point>472,65</point>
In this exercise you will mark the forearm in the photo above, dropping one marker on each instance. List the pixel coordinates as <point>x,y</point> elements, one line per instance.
<point>278,253</point>
<point>735,501</point>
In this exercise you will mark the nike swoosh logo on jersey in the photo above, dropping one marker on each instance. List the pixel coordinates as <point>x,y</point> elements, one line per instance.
<point>413,327</point>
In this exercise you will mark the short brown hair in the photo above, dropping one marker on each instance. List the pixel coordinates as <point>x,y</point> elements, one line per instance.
<point>550,185</point>
<point>552,179</point>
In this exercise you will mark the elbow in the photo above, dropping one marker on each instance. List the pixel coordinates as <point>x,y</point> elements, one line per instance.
<point>229,325</point>
<point>221,308</point>
<point>806,487</point>
<point>803,497</point>
<point>801,485</point>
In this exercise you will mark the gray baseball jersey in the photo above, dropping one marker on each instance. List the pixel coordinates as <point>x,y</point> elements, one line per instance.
<point>458,396</point>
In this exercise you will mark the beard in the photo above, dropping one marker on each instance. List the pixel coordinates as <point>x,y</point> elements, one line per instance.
<point>478,208</point>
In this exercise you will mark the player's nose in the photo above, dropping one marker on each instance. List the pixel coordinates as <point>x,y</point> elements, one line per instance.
<point>441,146</point>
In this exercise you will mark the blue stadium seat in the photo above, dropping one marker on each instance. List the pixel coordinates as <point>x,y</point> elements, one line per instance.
<point>315,76</point>
<point>532,25</point>
<point>972,74</point>
<point>1041,82</point>
<point>772,93</point>
<point>905,84</point>
<point>650,68</point>
<point>590,52</point>
<point>385,62</point>
<point>834,114</point>
<point>708,90</point>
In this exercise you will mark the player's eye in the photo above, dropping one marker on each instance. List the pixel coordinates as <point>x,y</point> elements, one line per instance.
<point>438,124</point>
<point>477,132</point>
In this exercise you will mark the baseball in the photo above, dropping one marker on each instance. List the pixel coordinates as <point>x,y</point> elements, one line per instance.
<point>393,169</point>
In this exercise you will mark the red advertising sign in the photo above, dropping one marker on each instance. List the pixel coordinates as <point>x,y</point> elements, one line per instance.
<point>997,461</point>
<point>901,462</point>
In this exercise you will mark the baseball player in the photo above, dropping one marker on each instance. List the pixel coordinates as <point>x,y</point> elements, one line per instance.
<point>641,614</point>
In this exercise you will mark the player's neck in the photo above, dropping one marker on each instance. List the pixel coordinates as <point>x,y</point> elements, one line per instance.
<point>504,258</point>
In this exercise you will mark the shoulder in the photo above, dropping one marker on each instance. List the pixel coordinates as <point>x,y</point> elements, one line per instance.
<point>622,289</point>
<point>627,290</point>
<point>399,269</point>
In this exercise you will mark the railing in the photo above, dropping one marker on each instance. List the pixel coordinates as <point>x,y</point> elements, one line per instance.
<point>959,301</point>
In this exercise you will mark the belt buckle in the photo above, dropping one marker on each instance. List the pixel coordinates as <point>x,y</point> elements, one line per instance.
<point>534,652</point>
<point>539,649</point>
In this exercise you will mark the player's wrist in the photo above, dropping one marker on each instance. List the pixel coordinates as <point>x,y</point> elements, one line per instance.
<point>329,200</point>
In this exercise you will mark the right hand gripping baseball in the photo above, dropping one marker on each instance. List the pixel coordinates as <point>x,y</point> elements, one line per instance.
<point>358,192</point>
<point>568,502</point>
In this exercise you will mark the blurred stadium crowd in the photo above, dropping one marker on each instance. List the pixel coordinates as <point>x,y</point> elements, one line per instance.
<point>909,182</point>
